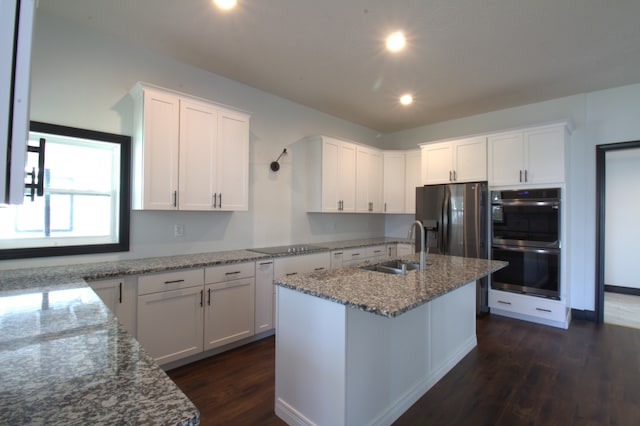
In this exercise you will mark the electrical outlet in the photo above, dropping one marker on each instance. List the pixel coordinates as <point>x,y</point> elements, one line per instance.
<point>178,230</point>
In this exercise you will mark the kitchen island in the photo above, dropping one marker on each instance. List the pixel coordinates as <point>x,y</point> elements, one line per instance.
<point>356,346</point>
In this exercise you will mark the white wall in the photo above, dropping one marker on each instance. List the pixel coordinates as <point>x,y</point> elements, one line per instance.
<point>622,237</point>
<point>82,79</point>
<point>601,117</point>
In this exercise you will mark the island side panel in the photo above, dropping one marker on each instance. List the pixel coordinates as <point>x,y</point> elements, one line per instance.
<point>387,364</point>
<point>310,360</point>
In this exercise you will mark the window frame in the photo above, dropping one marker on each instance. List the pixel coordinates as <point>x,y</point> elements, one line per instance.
<point>124,210</point>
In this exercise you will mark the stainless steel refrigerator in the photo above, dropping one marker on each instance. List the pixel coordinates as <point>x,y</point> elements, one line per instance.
<point>454,217</point>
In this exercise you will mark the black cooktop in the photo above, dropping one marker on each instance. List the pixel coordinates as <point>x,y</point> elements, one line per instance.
<point>288,249</point>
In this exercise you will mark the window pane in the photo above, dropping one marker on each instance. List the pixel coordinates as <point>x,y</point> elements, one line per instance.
<point>82,198</point>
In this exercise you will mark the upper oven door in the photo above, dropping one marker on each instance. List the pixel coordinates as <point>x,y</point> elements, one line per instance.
<point>526,223</point>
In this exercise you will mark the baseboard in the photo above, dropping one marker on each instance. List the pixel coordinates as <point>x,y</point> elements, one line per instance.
<point>579,314</point>
<point>622,290</point>
<point>530,318</point>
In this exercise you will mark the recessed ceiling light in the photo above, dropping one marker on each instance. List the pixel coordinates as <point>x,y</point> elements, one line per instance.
<point>406,99</point>
<point>225,4</point>
<point>396,41</point>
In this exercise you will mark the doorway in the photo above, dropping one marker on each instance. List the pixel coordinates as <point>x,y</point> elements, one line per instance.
<point>617,294</point>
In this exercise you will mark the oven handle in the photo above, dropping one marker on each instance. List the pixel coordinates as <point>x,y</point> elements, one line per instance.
<point>552,203</point>
<point>528,249</point>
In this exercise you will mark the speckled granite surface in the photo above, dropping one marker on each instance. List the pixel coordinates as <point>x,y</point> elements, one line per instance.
<point>64,360</point>
<point>390,295</point>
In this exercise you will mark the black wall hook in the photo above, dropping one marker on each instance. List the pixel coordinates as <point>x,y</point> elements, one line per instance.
<point>275,166</point>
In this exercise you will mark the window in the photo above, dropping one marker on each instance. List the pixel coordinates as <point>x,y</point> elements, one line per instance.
<point>86,200</point>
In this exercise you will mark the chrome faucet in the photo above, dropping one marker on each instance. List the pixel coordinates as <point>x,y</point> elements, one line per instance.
<point>423,254</point>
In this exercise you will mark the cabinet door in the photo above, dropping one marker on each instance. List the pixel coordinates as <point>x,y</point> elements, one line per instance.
<point>229,314</point>
<point>170,323</point>
<point>394,182</point>
<point>198,136</point>
<point>330,177</point>
<point>347,176</point>
<point>413,163</point>
<point>544,152</point>
<point>159,151</point>
<point>470,160</point>
<point>506,156</point>
<point>437,163</point>
<point>336,259</point>
<point>264,296</point>
<point>120,296</point>
<point>363,165</point>
<point>376,181</point>
<point>233,161</point>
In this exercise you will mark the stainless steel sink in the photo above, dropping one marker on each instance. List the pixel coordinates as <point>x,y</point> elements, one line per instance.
<point>392,267</point>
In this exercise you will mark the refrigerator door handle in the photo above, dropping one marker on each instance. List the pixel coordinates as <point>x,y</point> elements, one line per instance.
<point>446,220</point>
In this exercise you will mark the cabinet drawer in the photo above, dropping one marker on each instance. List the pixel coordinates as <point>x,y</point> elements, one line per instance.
<point>170,281</point>
<point>354,255</point>
<point>216,274</point>
<point>376,252</point>
<point>528,305</point>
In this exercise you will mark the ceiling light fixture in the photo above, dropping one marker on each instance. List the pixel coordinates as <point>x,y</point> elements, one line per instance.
<point>225,4</point>
<point>396,41</point>
<point>406,99</point>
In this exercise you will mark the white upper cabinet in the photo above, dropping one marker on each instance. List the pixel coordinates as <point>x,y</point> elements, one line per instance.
<point>331,169</point>
<point>528,157</point>
<point>369,176</point>
<point>461,160</point>
<point>394,182</point>
<point>189,154</point>
<point>412,177</point>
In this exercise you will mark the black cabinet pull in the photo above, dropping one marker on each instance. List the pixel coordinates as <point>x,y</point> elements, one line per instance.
<point>209,297</point>
<point>201,298</point>
<point>504,303</point>
<point>543,310</point>
<point>174,281</point>
<point>232,273</point>
<point>291,273</point>
<point>120,292</point>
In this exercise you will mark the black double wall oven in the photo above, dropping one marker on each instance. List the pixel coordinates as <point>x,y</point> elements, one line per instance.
<point>526,233</point>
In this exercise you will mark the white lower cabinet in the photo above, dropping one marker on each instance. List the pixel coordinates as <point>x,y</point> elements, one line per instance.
<point>403,250</point>
<point>303,264</point>
<point>183,313</point>
<point>229,308</point>
<point>170,321</point>
<point>532,308</point>
<point>265,296</point>
<point>119,295</point>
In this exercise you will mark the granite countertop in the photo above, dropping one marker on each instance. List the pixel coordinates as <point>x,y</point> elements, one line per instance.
<point>390,295</point>
<point>64,359</point>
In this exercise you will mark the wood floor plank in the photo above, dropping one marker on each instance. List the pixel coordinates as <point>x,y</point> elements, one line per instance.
<point>519,374</point>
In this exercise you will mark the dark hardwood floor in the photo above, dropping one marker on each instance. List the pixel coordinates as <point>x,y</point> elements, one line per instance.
<point>519,374</point>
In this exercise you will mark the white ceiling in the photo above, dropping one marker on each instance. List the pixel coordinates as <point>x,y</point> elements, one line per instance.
<point>464,57</point>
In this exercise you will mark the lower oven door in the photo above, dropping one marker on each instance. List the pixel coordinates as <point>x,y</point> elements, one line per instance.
<point>531,271</point>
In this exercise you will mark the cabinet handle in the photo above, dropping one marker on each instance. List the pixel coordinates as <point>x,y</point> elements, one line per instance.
<point>450,180</point>
<point>337,253</point>
<point>377,251</point>
<point>174,281</point>
<point>209,297</point>
<point>455,176</point>
<point>291,273</point>
<point>520,175</point>
<point>526,178</point>
<point>120,292</point>
<point>385,207</point>
<point>232,273</point>
<point>504,303</point>
<point>543,310</point>
<point>319,269</point>
<point>265,263</point>
<point>175,198</point>
<point>220,201</point>
<point>215,200</point>
<point>201,297</point>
